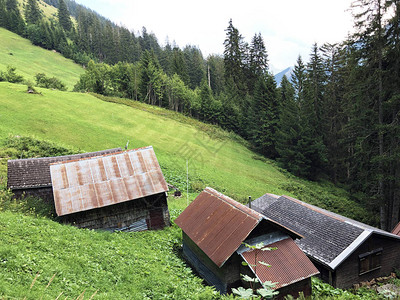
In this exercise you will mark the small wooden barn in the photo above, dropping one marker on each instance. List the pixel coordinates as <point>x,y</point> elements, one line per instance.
<point>123,191</point>
<point>214,228</point>
<point>345,251</point>
<point>32,176</point>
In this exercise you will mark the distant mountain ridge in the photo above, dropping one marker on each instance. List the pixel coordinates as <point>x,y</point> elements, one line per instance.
<point>288,72</point>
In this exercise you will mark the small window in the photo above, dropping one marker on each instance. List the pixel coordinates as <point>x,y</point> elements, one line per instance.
<point>370,261</point>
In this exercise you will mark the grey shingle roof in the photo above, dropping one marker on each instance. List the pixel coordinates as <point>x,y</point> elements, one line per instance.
<point>328,237</point>
<point>35,172</point>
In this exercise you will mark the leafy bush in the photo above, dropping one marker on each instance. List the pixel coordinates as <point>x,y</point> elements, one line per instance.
<point>11,75</point>
<point>49,83</point>
<point>16,146</point>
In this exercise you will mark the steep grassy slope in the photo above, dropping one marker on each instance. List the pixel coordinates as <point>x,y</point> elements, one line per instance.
<point>29,60</point>
<point>85,262</point>
<point>215,157</point>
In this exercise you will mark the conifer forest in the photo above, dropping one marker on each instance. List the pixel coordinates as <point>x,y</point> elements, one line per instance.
<point>336,119</point>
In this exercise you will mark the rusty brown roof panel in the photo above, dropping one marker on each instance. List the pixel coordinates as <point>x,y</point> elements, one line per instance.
<point>106,180</point>
<point>217,224</point>
<point>396,230</point>
<point>288,264</point>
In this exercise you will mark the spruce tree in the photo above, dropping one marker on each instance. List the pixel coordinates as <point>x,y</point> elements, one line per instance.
<point>289,130</point>
<point>370,38</point>
<point>3,14</point>
<point>33,15</point>
<point>392,109</point>
<point>11,17</point>
<point>63,16</point>
<point>234,57</point>
<point>179,66</point>
<point>12,5</point>
<point>316,79</point>
<point>266,114</point>
<point>258,61</point>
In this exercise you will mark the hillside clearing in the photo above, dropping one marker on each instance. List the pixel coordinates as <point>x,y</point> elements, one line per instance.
<point>29,60</point>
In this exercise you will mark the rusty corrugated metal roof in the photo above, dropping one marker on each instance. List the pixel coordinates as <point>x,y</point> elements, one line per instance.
<point>396,230</point>
<point>105,180</point>
<point>288,264</point>
<point>217,224</point>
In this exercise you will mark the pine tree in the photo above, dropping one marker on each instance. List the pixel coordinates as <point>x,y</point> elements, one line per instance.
<point>299,146</point>
<point>12,5</point>
<point>289,130</point>
<point>63,16</point>
<point>332,111</point>
<point>195,66</point>
<point>266,116</point>
<point>216,73</point>
<point>33,15</point>
<point>3,14</point>
<point>150,81</point>
<point>371,37</point>
<point>258,61</point>
<point>10,17</point>
<point>234,57</point>
<point>391,112</point>
<point>316,78</point>
<point>179,66</point>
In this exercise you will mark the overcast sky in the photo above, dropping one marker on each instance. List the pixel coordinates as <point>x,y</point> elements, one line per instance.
<point>289,27</point>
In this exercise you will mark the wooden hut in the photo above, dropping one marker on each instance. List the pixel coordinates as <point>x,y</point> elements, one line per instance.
<point>214,228</point>
<point>123,191</point>
<point>31,176</point>
<point>345,251</point>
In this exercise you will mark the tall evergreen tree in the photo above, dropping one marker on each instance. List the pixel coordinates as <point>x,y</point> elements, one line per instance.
<point>33,15</point>
<point>11,5</point>
<point>63,16</point>
<point>216,73</point>
<point>257,61</point>
<point>392,113</point>
<point>289,131</point>
<point>266,115</point>
<point>11,18</point>
<point>179,66</point>
<point>3,14</point>
<point>333,111</point>
<point>234,57</point>
<point>316,78</point>
<point>371,37</point>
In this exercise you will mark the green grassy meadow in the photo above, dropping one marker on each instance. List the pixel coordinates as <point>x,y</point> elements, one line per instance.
<point>29,59</point>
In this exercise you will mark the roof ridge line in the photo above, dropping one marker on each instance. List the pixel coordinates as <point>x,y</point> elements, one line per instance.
<point>250,212</point>
<point>97,156</point>
<point>68,155</point>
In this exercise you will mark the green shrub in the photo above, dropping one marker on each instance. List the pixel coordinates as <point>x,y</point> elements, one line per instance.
<point>11,75</point>
<point>49,83</point>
